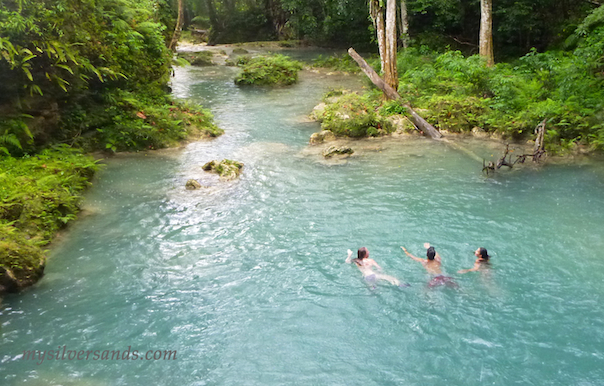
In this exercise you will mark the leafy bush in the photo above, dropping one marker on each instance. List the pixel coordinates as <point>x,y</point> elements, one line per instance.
<point>269,70</point>
<point>457,114</point>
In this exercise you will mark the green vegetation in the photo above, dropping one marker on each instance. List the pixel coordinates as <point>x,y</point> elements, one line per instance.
<point>460,93</point>
<point>354,116</point>
<point>90,74</point>
<point>38,196</point>
<point>140,123</point>
<point>75,72</point>
<point>342,63</point>
<point>268,70</point>
<point>457,93</point>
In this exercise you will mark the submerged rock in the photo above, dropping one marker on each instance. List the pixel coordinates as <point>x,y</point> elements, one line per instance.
<point>334,150</point>
<point>227,169</point>
<point>322,136</point>
<point>192,185</point>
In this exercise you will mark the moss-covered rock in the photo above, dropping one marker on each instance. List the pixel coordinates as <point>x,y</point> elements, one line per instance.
<point>337,150</point>
<point>199,58</point>
<point>401,124</point>
<point>354,116</point>
<point>322,136</point>
<point>227,169</point>
<point>269,70</point>
<point>192,185</point>
<point>39,195</point>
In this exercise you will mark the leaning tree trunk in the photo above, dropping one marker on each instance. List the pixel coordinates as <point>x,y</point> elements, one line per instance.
<point>391,93</point>
<point>390,72</point>
<point>377,16</point>
<point>404,24</point>
<point>179,23</point>
<point>486,31</point>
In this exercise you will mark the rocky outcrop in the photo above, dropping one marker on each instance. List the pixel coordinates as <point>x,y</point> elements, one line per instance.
<point>322,136</point>
<point>227,169</point>
<point>337,151</point>
<point>480,133</point>
<point>401,124</point>
<point>192,185</point>
<point>16,281</point>
<point>317,112</point>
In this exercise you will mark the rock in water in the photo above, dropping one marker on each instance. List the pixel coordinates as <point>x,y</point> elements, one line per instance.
<point>333,150</point>
<point>209,166</point>
<point>192,185</point>
<point>227,169</point>
<point>322,136</point>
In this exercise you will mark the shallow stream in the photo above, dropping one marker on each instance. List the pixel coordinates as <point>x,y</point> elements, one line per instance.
<point>246,280</point>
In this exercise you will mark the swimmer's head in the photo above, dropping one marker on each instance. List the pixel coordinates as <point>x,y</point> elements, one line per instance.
<point>481,253</point>
<point>362,253</point>
<point>430,253</point>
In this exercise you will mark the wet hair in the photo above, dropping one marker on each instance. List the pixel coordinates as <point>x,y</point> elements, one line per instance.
<point>431,253</point>
<point>362,253</point>
<point>483,253</point>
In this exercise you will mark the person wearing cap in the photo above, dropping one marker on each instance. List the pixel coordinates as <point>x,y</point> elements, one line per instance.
<point>481,262</point>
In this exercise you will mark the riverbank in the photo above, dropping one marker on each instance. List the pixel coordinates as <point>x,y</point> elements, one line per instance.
<point>459,95</point>
<point>40,195</point>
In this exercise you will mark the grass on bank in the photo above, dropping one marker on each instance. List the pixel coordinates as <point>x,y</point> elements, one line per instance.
<point>39,195</point>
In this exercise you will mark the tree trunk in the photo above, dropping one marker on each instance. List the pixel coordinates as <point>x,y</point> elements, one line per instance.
<point>377,16</point>
<point>391,93</point>
<point>212,14</point>
<point>486,31</point>
<point>179,23</point>
<point>390,72</point>
<point>404,24</point>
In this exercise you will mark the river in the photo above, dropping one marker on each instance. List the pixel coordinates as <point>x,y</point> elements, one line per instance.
<point>246,280</point>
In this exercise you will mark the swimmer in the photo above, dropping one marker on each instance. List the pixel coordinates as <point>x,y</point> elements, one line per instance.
<point>365,265</point>
<point>481,262</point>
<point>432,264</point>
<point>433,261</point>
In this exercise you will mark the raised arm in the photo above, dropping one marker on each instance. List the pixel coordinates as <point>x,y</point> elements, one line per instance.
<point>411,256</point>
<point>348,259</point>
<point>476,267</point>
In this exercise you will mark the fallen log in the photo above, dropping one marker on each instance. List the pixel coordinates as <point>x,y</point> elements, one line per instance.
<point>391,93</point>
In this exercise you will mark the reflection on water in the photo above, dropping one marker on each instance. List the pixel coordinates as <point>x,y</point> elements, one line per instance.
<point>247,281</point>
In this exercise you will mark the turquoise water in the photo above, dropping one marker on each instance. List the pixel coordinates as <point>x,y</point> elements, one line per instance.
<point>246,280</point>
